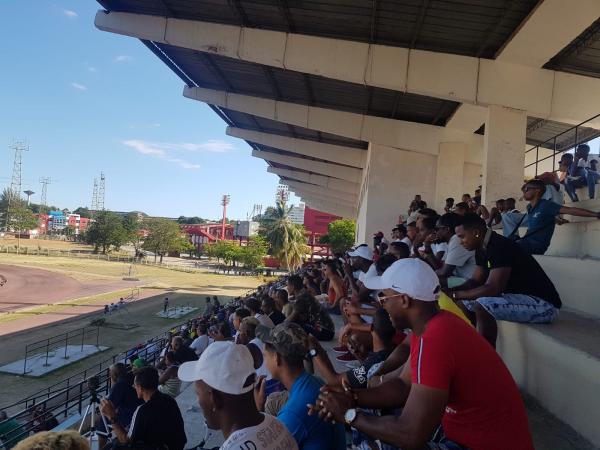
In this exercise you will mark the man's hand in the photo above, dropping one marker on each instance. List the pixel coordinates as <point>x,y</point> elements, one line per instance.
<point>259,393</point>
<point>107,409</point>
<point>333,404</point>
<point>349,309</point>
<point>343,334</point>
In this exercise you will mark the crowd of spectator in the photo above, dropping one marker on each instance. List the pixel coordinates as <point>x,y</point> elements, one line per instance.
<point>417,326</point>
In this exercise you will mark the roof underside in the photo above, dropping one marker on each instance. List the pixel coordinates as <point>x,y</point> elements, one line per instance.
<point>466,27</point>
<point>582,56</point>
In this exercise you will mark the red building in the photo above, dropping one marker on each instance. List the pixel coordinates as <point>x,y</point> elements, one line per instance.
<point>315,224</point>
<point>205,233</point>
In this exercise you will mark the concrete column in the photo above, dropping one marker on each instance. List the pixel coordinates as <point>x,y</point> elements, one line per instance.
<point>503,155</point>
<point>449,173</point>
<point>390,182</point>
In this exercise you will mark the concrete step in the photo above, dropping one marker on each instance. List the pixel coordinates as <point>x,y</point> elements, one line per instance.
<point>576,280</point>
<point>559,365</point>
<point>578,239</point>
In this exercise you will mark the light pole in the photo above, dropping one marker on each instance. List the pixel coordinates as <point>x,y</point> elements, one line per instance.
<point>224,203</point>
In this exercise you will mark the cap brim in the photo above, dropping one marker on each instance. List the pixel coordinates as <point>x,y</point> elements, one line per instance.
<point>187,372</point>
<point>353,253</point>
<point>375,282</point>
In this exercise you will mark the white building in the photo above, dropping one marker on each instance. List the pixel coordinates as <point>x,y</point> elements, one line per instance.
<point>297,214</point>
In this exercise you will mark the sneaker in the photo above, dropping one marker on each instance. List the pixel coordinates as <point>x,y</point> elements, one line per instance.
<point>346,357</point>
<point>340,349</point>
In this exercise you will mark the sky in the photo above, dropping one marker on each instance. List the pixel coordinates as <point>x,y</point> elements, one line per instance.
<point>88,101</point>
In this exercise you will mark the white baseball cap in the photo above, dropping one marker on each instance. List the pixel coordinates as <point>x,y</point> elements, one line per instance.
<point>224,366</point>
<point>363,251</point>
<point>409,276</point>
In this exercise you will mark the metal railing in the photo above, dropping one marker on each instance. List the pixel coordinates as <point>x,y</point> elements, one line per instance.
<point>70,397</point>
<point>563,142</point>
<point>55,343</point>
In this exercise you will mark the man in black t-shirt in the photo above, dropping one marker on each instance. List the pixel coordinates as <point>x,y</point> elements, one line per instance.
<point>516,289</point>
<point>156,424</point>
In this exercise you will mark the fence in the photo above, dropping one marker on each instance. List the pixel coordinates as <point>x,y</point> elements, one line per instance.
<point>70,397</point>
<point>560,143</point>
<point>55,343</point>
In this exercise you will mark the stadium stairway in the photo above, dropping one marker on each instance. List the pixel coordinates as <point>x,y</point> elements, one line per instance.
<point>559,364</point>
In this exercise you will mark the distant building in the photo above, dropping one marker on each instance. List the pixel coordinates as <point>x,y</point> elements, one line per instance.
<point>315,224</point>
<point>205,233</point>
<point>57,221</point>
<point>297,214</point>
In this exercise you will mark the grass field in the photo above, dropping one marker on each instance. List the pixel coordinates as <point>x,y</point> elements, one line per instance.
<point>46,244</point>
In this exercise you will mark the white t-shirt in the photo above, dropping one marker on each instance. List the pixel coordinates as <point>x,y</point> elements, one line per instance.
<point>458,256</point>
<point>407,241</point>
<point>270,434</point>
<point>264,320</point>
<point>441,247</point>
<point>199,344</point>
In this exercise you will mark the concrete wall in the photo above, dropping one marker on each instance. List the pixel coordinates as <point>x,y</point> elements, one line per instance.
<point>394,177</point>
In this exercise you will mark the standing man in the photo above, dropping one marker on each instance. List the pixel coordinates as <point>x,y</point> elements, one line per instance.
<point>165,304</point>
<point>224,380</point>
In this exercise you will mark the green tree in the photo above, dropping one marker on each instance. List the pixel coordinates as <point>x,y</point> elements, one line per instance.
<point>133,227</point>
<point>286,238</point>
<point>252,253</point>
<point>340,235</point>
<point>21,220</point>
<point>83,212</point>
<point>106,231</point>
<point>190,220</point>
<point>164,236</point>
<point>9,201</point>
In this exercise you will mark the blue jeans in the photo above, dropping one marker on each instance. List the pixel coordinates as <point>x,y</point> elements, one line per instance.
<point>592,179</point>
<point>517,308</point>
<point>572,184</point>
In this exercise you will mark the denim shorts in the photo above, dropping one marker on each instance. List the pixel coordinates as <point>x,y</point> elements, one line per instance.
<point>517,308</point>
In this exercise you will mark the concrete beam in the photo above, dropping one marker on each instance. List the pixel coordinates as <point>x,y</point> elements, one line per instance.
<point>550,27</point>
<point>542,36</point>
<point>410,136</point>
<point>324,198</point>
<point>318,190</point>
<point>542,93</point>
<point>341,172</point>
<point>321,180</point>
<point>322,194</point>
<point>335,153</point>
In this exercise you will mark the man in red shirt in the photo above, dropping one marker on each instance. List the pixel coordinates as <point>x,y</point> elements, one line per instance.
<point>454,377</point>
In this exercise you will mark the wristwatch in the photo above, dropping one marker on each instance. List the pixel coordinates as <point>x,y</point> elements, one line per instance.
<point>313,352</point>
<point>350,416</point>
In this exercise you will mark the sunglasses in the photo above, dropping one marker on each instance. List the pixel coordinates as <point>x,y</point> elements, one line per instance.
<point>384,298</point>
<point>528,188</point>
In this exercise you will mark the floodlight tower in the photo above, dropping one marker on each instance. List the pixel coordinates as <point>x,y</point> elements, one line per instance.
<point>94,206</point>
<point>45,181</point>
<point>28,193</point>
<point>15,185</point>
<point>101,191</point>
<point>224,203</point>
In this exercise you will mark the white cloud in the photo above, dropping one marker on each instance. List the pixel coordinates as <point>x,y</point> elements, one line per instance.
<point>165,150</point>
<point>123,58</point>
<point>70,14</point>
<point>79,87</point>
<point>92,69</point>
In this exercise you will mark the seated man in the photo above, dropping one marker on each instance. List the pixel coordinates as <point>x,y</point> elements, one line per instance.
<point>380,346</point>
<point>252,304</point>
<point>453,376</point>
<point>182,352</point>
<point>516,289</point>
<point>541,218</point>
<point>270,309</point>
<point>582,173</point>
<point>202,340</point>
<point>122,395</point>
<point>157,423</point>
<point>224,380</point>
<point>285,348</point>
<point>312,317</point>
<point>458,263</point>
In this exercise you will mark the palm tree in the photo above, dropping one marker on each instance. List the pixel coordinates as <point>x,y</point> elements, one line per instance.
<point>287,239</point>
